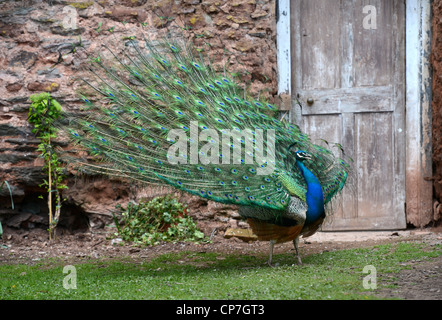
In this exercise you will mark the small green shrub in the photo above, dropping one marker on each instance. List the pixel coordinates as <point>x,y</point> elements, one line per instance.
<point>43,113</point>
<point>161,219</point>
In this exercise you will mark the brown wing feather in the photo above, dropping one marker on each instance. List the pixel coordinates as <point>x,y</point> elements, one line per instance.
<point>307,231</point>
<point>267,231</point>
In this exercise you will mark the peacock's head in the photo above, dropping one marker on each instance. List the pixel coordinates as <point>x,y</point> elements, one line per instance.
<point>302,155</point>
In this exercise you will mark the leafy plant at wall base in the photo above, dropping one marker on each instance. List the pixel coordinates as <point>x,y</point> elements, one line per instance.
<point>161,219</point>
<point>43,112</point>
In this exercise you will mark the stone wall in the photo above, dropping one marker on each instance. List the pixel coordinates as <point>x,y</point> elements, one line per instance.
<point>43,46</point>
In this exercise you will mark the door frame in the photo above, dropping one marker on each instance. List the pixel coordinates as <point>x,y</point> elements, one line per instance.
<point>418,97</point>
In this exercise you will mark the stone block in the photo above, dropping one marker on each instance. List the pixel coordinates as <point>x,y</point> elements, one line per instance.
<point>243,234</point>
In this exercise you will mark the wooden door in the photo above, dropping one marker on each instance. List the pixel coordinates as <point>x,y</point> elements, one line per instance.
<point>348,71</point>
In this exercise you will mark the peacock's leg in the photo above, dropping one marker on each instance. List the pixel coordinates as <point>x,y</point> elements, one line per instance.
<point>272,243</point>
<point>295,243</point>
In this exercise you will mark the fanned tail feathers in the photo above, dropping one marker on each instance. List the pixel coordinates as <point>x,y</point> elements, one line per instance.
<point>165,117</point>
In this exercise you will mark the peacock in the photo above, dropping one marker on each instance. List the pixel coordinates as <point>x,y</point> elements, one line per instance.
<point>162,115</point>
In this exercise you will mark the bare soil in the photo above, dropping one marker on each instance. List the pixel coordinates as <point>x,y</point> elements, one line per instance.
<point>422,282</point>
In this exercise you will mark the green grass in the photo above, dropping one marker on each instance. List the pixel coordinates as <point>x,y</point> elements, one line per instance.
<point>189,275</point>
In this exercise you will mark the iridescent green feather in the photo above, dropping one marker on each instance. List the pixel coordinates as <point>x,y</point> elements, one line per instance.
<point>147,95</point>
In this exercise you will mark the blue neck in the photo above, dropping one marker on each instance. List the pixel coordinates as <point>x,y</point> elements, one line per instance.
<point>314,196</point>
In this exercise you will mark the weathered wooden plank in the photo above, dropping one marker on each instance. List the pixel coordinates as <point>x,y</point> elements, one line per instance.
<point>347,43</point>
<point>296,70</point>
<point>350,206</point>
<point>319,49</point>
<point>399,134</point>
<point>361,223</point>
<point>374,182</point>
<point>320,127</point>
<point>363,99</point>
<point>284,50</point>
<point>418,116</point>
<point>373,42</point>
<point>374,145</point>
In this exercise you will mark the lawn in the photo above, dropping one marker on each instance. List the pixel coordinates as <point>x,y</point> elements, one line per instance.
<point>193,275</point>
